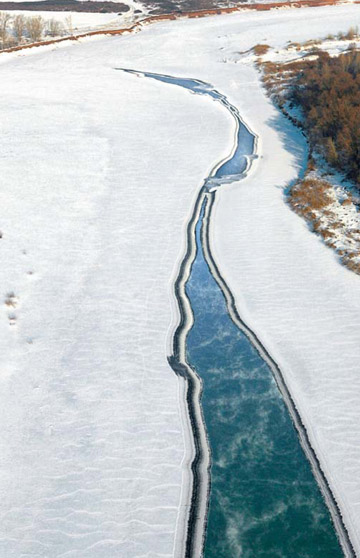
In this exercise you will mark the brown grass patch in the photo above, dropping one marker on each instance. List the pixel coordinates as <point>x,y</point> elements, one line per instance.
<point>310,194</point>
<point>260,50</point>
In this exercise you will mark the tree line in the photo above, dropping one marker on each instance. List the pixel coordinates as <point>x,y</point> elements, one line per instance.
<point>328,91</point>
<point>19,29</point>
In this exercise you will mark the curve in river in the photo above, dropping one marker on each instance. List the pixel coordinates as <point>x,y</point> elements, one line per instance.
<point>260,505</point>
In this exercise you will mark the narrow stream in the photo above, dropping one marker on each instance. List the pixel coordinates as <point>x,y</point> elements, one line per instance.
<point>265,500</point>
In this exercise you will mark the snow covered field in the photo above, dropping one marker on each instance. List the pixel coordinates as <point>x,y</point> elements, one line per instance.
<point>92,440</point>
<point>97,184</point>
<point>80,21</point>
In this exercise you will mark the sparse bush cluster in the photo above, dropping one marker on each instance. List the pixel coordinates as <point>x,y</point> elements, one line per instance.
<point>17,30</point>
<point>350,35</point>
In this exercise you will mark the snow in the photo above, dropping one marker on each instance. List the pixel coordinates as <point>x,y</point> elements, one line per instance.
<point>92,421</point>
<point>87,21</point>
<point>93,418</point>
<point>81,21</point>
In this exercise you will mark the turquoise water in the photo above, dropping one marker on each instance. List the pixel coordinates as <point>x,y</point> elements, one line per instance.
<point>264,499</point>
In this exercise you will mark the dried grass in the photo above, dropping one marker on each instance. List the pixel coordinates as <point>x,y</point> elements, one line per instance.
<point>260,49</point>
<point>311,194</point>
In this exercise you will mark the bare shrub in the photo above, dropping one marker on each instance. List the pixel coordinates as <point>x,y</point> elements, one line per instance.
<point>352,33</point>
<point>69,25</point>
<point>19,26</point>
<point>55,28</point>
<point>35,28</point>
<point>5,19</point>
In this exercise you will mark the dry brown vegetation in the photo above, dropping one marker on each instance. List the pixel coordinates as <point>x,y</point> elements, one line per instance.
<point>308,195</point>
<point>352,264</point>
<point>260,50</point>
<point>351,34</point>
<point>311,199</point>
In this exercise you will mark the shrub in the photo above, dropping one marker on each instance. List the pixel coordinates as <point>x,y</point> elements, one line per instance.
<point>35,27</point>
<point>55,28</point>
<point>352,33</point>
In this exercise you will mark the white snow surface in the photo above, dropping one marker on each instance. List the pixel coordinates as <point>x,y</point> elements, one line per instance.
<point>97,184</point>
<point>96,190</point>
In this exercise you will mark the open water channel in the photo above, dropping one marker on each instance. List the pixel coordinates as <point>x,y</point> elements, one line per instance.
<point>264,498</point>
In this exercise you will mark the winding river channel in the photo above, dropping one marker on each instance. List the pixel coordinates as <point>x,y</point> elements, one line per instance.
<point>268,496</point>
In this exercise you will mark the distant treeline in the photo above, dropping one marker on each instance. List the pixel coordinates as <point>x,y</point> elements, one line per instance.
<point>16,29</point>
<point>328,91</point>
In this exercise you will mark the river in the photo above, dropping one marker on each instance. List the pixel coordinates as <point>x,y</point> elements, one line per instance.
<point>265,498</point>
